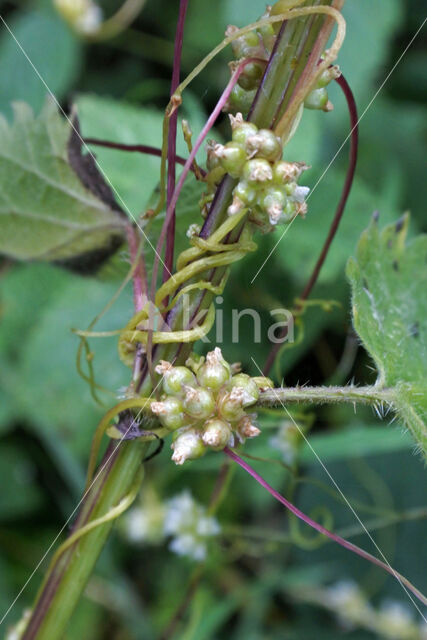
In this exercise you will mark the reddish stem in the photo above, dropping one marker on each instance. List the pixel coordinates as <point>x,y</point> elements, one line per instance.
<point>173,122</point>
<point>139,275</point>
<point>138,148</point>
<point>354,143</point>
<point>204,132</point>
<point>315,525</point>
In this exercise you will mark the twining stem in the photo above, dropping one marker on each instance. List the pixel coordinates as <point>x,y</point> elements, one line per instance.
<point>404,582</point>
<point>173,122</point>
<point>67,576</point>
<point>323,395</point>
<point>66,579</point>
<point>354,144</point>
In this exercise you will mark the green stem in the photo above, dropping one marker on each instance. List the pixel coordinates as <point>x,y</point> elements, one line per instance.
<point>68,575</point>
<point>322,395</point>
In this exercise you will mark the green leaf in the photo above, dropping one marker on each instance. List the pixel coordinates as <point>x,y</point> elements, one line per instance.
<point>389,281</point>
<point>46,212</point>
<point>52,49</point>
<point>134,175</point>
<point>303,237</point>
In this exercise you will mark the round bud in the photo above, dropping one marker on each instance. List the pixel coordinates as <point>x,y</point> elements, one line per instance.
<point>329,74</point>
<point>288,171</point>
<point>230,404</point>
<point>257,172</point>
<point>215,371</point>
<point>232,157</point>
<point>242,131</point>
<point>216,434</point>
<point>248,386</point>
<point>198,402</point>
<point>245,193</point>
<point>265,145</point>
<point>188,445</point>
<point>212,160</point>
<point>317,99</point>
<point>240,100</point>
<point>170,412</point>
<point>176,378</point>
<point>251,75</point>
<point>273,202</point>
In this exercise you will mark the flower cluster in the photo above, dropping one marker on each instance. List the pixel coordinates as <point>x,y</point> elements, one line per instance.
<point>267,184</point>
<point>258,45</point>
<point>181,518</point>
<point>205,405</point>
<point>190,526</point>
<point>287,441</point>
<point>391,620</point>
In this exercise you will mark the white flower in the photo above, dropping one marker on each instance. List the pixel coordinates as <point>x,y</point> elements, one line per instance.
<point>83,15</point>
<point>394,619</point>
<point>145,523</point>
<point>89,22</point>
<point>286,441</point>
<point>189,525</point>
<point>300,194</point>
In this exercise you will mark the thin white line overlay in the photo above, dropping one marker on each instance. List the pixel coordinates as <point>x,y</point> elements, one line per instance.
<point>122,202</point>
<point>342,146</point>
<point>101,469</point>
<point>345,499</point>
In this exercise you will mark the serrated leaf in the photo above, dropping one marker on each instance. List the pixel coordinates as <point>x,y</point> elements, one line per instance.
<point>389,281</point>
<point>46,212</point>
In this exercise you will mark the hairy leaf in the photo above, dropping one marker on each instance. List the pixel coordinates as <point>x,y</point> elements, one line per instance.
<point>389,281</point>
<point>46,211</point>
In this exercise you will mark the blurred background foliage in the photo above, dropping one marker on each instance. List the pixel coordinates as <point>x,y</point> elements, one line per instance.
<point>249,585</point>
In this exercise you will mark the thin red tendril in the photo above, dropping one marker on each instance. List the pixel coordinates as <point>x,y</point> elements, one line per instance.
<point>173,122</point>
<point>354,143</point>
<point>315,525</point>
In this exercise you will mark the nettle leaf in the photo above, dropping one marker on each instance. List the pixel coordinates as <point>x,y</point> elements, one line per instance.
<point>389,281</point>
<point>54,204</point>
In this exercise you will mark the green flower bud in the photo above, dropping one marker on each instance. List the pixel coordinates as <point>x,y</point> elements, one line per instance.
<point>257,172</point>
<point>329,74</point>
<point>242,130</point>
<point>263,383</point>
<point>216,434</point>
<point>273,201</point>
<point>251,76</point>
<point>232,157</point>
<point>230,404</point>
<point>175,378</point>
<point>212,160</point>
<point>187,445</point>
<point>264,144</point>
<point>248,386</point>
<point>198,402</point>
<point>288,171</point>
<point>214,372</point>
<point>245,46</point>
<point>318,99</point>
<point>240,100</point>
<point>267,32</point>
<point>245,193</point>
<point>194,361</point>
<point>170,412</point>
